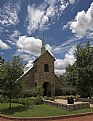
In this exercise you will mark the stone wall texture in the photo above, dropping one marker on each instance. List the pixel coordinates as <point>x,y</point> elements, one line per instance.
<point>68,107</point>
<point>38,76</point>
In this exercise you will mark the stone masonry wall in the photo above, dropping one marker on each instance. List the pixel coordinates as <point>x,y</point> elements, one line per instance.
<point>41,76</point>
<point>28,80</point>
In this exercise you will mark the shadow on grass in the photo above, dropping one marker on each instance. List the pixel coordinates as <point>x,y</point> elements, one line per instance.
<point>7,111</point>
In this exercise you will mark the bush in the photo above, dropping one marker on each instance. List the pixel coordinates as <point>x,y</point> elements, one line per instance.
<point>34,92</point>
<point>28,101</point>
<point>37,91</point>
<point>69,92</point>
<point>39,100</point>
<point>26,93</point>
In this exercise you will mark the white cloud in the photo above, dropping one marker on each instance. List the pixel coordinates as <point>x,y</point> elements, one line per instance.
<point>83,23</point>
<point>35,15</point>
<point>49,48</point>
<point>15,34</point>
<point>42,16</point>
<point>59,72</point>
<point>3,45</point>
<point>61,64</point>
<point>13,37</point>
<point>9,14</point>
<point>25,57</point>
<point>90,35</point>
<point>72,1</point>
<point>29,45</point>
<point>62,48</point>
<point>28,65</point>
<point>51,2</point>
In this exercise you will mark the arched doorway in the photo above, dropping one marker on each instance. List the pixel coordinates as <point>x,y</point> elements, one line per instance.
<point>47,89</point>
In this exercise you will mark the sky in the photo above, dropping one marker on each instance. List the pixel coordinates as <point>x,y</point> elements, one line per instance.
<point>65,23</point>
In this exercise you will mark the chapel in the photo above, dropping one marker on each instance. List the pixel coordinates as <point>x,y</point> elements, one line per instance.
<point>42,74</point>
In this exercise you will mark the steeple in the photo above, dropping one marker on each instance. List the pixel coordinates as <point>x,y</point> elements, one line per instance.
<point>43,45</point>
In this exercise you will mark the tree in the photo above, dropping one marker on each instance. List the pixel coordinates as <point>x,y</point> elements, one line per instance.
<point>81,72</point>
<point>72,74</point>
<point>1,60</point>
<point>10,72</point>
<point>84,62</point>
<point>1,63</point>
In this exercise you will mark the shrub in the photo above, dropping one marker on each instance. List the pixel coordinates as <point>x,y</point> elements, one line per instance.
<point>37,91</point>
<point>39,100</point>
<point>34,92</point>
<point>28,101</point>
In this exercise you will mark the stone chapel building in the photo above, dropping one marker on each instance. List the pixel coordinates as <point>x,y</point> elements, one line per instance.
<point>42,74</point>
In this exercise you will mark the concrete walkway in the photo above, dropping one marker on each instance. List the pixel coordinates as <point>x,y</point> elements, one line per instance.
<point>83,118</point>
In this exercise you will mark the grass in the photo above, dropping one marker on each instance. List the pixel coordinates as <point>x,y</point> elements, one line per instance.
<point>43,110</point>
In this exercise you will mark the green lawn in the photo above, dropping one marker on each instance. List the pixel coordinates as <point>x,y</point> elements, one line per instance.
<point>43,110</point>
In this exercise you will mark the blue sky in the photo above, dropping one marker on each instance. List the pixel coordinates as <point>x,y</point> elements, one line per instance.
<point>65,23</point>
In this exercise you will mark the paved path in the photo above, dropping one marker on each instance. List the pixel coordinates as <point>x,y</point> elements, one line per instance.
<point>2,119</point>
<point>83,118</point>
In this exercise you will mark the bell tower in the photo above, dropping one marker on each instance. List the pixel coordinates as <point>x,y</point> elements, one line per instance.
<point>43,49</point>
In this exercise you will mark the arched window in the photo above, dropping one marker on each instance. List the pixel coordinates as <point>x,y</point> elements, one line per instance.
<point>46,68</point>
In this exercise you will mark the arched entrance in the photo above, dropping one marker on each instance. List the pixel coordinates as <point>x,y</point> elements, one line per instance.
<point>47,89</point>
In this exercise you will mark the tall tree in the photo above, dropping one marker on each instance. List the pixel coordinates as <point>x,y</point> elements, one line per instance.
<point>84,61</point>
<point>10,72</point>
<point>81,72</point>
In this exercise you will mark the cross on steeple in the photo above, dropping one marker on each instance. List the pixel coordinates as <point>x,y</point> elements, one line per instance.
<point>43,45</point>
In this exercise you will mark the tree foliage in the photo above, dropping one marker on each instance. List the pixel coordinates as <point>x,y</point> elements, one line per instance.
<point>10,72</point>
<point>81,72</point>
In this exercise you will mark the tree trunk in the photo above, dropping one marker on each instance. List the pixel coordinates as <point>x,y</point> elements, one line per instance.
<point>90,92</point>
<point>10,103</point>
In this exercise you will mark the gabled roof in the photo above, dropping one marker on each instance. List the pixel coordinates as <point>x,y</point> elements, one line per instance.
<point>43,54</point>
<point>34,62</point>
<point>25,73</point>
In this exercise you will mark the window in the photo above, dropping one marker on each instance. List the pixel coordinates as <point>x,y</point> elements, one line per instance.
<point>46,68</point>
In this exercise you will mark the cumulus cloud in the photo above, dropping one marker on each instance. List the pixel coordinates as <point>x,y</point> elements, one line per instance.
<point>3,45</point>
<point>61,64</point>
<point>29,45</point>
<point>83,23</point>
